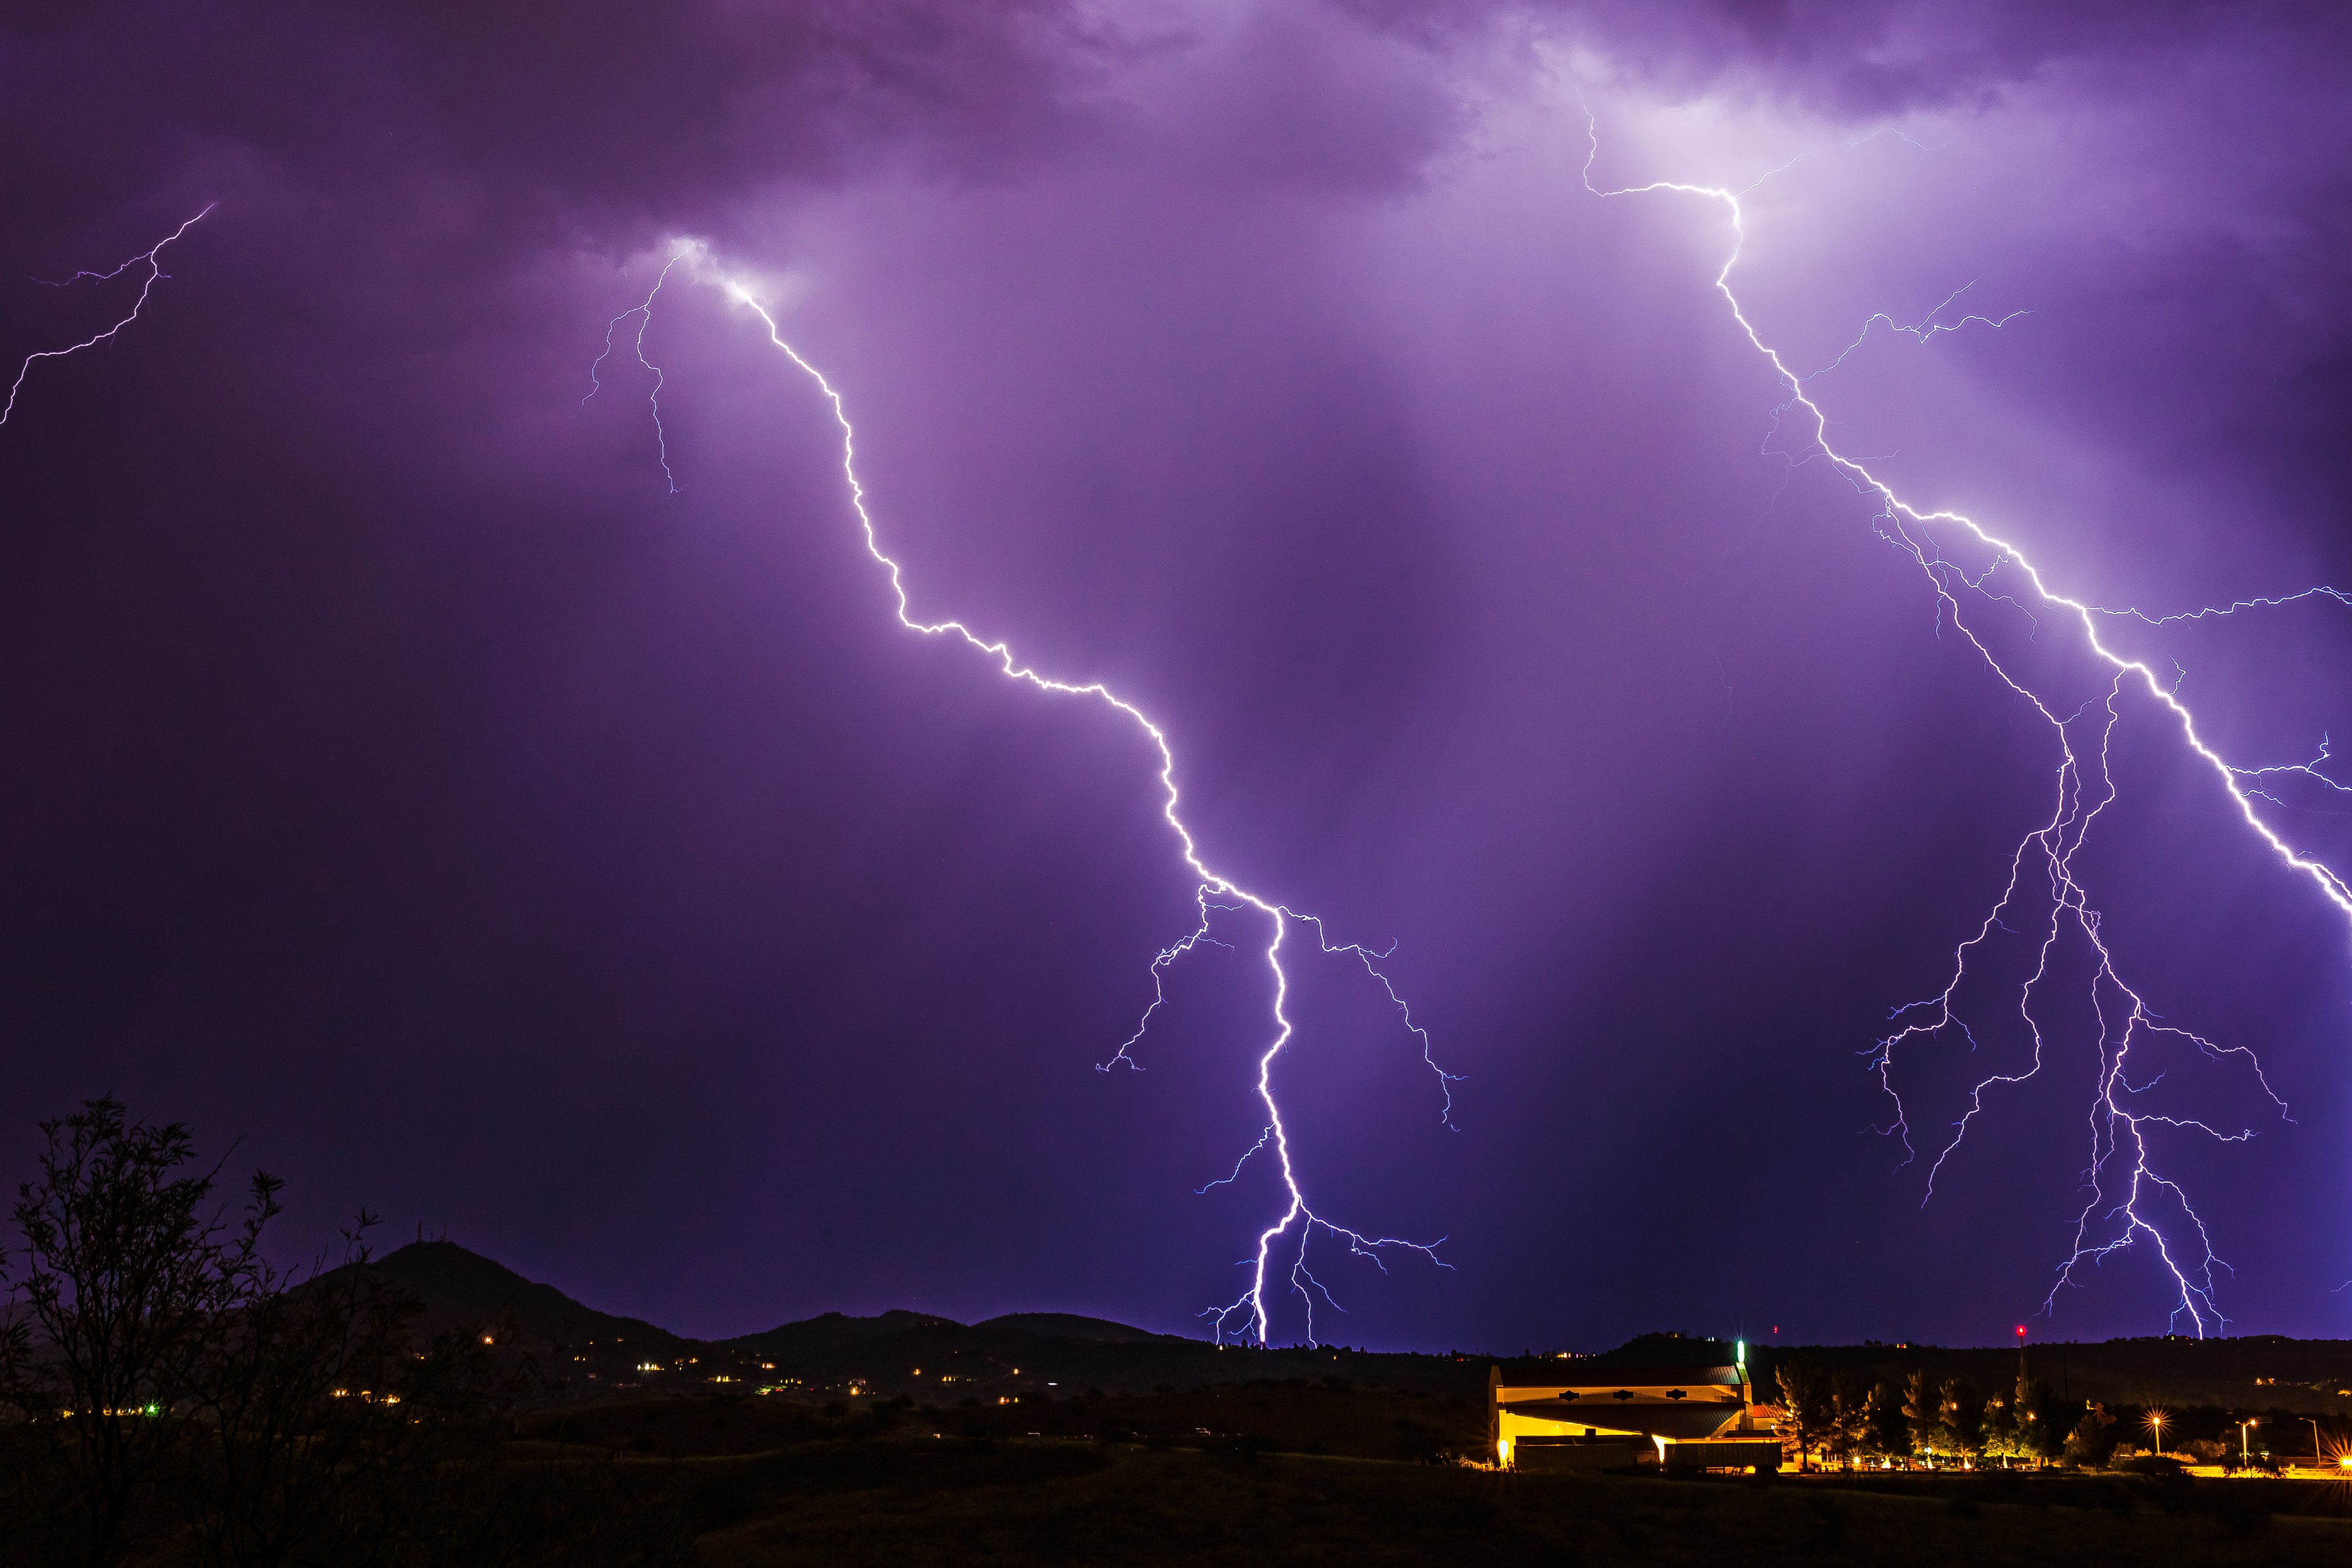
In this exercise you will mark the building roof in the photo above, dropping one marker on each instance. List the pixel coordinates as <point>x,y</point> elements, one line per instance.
<point>1606,1379</point>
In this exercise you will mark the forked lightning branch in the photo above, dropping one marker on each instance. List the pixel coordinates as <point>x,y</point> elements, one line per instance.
<point>1281,1251</point>
<point>2131,1202</point>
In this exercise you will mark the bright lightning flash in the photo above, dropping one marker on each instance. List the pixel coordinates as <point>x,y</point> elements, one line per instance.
<point>1282,1246</point>
<point>2126,1190</point>
<point>156,273</point>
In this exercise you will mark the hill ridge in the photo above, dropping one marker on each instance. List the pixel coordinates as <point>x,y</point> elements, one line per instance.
<point>460,1289</point>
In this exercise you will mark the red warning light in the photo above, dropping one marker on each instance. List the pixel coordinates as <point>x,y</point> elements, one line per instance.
<point>2020,1331</point>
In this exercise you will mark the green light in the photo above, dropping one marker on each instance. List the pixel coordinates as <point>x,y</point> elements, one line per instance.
<point>1739,1351</point>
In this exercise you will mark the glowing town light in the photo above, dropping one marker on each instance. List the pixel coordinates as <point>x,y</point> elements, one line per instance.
<point>153,258</point>
<point>2084,787</point>
<point>1214,892</point>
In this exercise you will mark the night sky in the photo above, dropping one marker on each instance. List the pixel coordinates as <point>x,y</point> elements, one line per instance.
<point>400,778</point>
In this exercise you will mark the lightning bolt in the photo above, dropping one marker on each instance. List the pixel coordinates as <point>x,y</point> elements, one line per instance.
<point>156,273</point>
<point>1281,1247</point>
<point>645,314</point>
<point>1925,331</point>
<point>2122,1184</point>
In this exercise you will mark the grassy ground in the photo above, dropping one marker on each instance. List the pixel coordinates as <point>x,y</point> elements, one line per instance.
<point>757,1483</point>
<point>1048,1503</point>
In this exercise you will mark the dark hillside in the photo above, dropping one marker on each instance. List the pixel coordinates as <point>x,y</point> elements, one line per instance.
<point>832,1331</point>
<point>1070,1325</point>
<point>940,1360</point>
<point>466,1290</point>
<point>936,1360</point>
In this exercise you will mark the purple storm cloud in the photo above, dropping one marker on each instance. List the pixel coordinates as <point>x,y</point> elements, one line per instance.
<point>523,816</point>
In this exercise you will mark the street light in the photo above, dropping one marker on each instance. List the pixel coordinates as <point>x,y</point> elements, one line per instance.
<point>2245,1456</point>
<point>2156,1424</point>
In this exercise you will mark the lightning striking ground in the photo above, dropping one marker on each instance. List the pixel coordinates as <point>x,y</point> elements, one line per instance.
<point>156,273</point>
<point>1282,1246</point>
<point>2130,1201</point>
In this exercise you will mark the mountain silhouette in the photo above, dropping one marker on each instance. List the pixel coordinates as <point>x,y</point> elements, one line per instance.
<point>464,1291</point>
<point>1070,1325</point>
<point>830,1332</point>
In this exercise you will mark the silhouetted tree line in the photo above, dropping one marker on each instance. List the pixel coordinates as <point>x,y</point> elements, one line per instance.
<point>169,1395</point>
<point>1856,1417</point>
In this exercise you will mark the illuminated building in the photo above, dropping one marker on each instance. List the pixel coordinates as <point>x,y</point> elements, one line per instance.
<point>1573,1415</point>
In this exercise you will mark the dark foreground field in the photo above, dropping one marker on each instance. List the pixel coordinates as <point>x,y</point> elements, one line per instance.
<point>1042,1504</point>
<point>847,1491</point>
<point>437,1411</point>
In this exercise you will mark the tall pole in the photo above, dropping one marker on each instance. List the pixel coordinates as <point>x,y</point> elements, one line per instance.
<point>2017,1398</point>
<point>2315,1442</point>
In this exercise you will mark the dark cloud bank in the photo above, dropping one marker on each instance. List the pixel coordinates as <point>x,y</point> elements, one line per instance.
<point>401,778</point>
